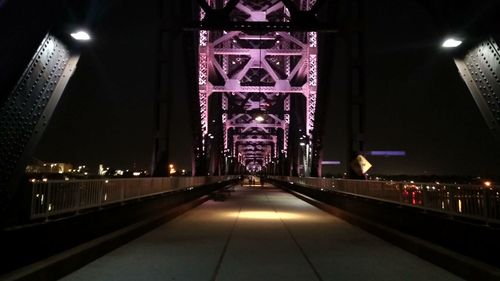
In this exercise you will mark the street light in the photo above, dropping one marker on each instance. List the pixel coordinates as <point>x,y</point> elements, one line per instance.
<point>451,43</point>
<point>81,35</point>
<point>171,169</point>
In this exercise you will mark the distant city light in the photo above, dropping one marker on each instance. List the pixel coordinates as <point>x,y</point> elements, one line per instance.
<point>81,35</point>
<point>487,183</point>
<point>136,174</point>
<point>451,43</point>
<point>302,143</point>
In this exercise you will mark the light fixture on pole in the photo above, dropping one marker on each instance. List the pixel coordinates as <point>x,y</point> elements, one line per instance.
<point>81,35</point>
<point>451,43</point>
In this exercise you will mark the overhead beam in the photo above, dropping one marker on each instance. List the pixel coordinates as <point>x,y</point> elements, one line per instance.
<point>259,26</point>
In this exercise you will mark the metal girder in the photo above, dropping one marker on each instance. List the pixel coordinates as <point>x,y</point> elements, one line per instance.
<point>255,125</point>
<point>254,89</point>
<point>248,52</point>
<point>258,26</point>
<point>28,109</point>
<point>255,140</point>
<point>480,70</point>
<point>256,73</point>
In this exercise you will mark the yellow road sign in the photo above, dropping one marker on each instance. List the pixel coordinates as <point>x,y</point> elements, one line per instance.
<point>360,165</point>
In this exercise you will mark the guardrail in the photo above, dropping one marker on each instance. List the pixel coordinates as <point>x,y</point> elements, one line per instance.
<point>475,201</point>
<point>64,196</point>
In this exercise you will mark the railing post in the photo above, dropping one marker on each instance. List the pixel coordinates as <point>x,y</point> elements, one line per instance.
<point>47,203</point>
<point>101,193</point>
<point>424,196</point>
<point>400,191</point>
<point>486,203</point>
<point>32,200</point>
<point>122,192</point>
<point>453,205</point>
<point>78,198</point>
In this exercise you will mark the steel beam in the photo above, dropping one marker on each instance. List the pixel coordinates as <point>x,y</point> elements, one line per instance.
<point>256,71</point>
<point>356,106</point>
<point>259,26</point>
<point>28,109</point>
<point>479,67</point>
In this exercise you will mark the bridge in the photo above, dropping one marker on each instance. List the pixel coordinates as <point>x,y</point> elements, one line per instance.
<point>257,202</point>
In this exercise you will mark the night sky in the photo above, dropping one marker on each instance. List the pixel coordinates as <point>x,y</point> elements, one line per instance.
<point>416,100</point>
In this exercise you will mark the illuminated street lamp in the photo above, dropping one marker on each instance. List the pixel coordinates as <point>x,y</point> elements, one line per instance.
<point>451,43</point>
<point>81,35</point>
<point>171,169</point>
<point>259,118</point>
<point>487,183</point>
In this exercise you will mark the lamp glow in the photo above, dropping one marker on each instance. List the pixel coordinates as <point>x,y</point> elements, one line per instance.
<point>259,118</point>
<point>267,215</point>
<point>80,35</point>
<point>451,43</point>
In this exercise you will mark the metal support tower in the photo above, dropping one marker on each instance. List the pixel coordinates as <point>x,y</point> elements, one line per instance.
<point>356,103</point>
<point>25,113</point>
<point>254,72</point>
<point>479,67</point>
<point>174,47</point>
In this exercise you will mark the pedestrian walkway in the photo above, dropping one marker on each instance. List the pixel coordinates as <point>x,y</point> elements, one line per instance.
<point>259,234</point>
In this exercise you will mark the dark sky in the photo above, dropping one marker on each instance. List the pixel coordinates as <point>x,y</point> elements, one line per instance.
<point>416,99</point>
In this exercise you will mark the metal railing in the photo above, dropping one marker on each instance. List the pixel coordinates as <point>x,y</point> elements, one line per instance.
<point>475,201</point>
<point>67,196</point>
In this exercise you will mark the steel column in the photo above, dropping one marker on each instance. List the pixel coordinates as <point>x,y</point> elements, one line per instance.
<point>28,109</point>
<point>479,67</point>
<point>356,104</point>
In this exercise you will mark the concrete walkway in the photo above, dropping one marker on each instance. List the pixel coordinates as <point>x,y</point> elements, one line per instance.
<point>259,234</point>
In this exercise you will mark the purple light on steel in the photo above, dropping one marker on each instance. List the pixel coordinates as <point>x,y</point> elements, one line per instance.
<point>254,72</point>
<point>312,82</point>
<point>203,80</point>
<point>333,162</point>
<point>387,153</point>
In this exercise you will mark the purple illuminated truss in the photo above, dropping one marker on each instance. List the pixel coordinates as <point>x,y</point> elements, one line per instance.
<point>256,72</point>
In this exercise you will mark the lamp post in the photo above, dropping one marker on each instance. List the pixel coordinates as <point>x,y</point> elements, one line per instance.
<point>451,42</point>
<point>81,35</point>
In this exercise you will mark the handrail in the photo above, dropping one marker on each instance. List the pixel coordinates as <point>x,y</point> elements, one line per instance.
<point>65,196</point>
<point>466,200</point>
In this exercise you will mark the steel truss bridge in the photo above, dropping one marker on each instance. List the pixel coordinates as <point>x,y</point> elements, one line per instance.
<point>256,74</point>
<point>258,101</point>
<point>256,81</point>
